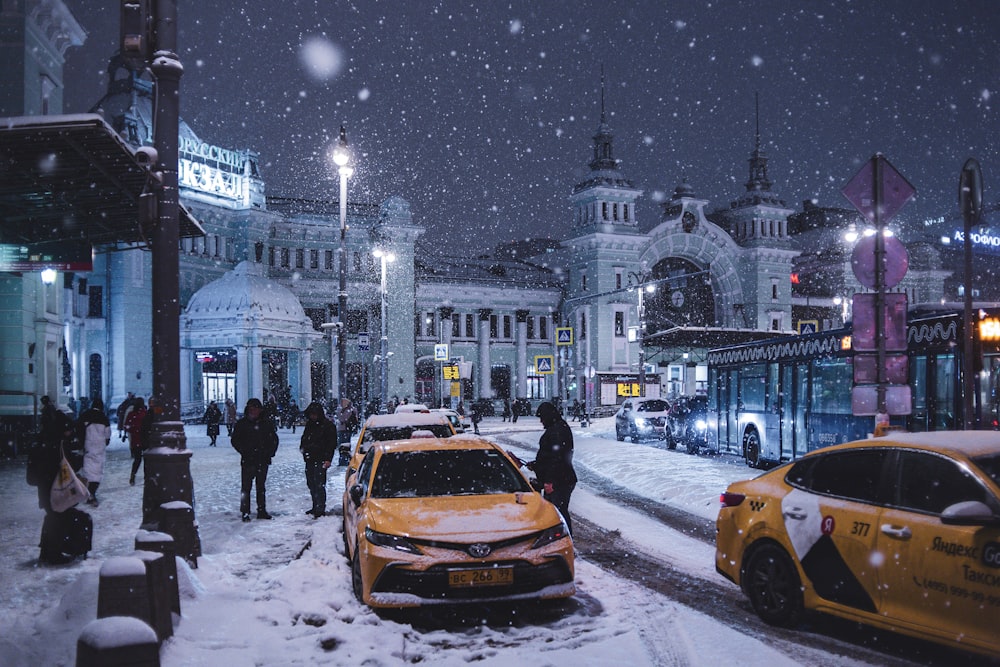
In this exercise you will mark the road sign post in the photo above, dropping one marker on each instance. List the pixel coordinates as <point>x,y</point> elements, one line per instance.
<point>970,200</point>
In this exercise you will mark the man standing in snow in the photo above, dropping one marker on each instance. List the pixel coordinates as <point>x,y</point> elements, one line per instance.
<point>553,465</point>
<point>319,442</point>
<point>255,439</point>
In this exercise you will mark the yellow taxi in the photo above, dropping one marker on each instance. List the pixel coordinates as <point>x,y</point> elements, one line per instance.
<point>901,532</point>
<point>398,425</point>
<point>432,521</point>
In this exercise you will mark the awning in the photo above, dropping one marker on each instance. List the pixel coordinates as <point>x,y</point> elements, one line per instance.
<point>71,178</point>
<point>707,337</point>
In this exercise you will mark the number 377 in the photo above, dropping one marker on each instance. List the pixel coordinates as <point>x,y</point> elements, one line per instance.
<point>860,528</point>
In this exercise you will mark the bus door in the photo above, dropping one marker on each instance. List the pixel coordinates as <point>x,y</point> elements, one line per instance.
<point>731,400</point>
<point>786,412</point>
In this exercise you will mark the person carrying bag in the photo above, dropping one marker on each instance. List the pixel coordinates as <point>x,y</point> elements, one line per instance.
<point>67,489</point>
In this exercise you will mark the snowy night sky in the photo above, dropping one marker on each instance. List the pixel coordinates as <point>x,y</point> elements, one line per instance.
<point>481,114</point>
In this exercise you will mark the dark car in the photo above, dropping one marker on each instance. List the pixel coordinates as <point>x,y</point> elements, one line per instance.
<point>642,419</point>
<point>687,424</point>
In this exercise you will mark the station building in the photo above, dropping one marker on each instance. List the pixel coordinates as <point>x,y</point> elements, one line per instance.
<point>629,303</point>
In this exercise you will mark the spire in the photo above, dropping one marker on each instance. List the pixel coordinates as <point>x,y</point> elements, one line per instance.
<point>758,162</point>
<point>603,154</point>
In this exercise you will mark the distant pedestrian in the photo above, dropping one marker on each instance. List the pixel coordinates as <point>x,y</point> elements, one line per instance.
<point>124,408</point>
<point>347,418</point>
<point>506,409</point>
<point>476,417</point>
<point>291,414</point>
<point>96,431</point>
<point>230,415</point>
<point>576,410</point>
<point>136,444</point>
<point>553,465</point>
<point>318,445</point>
<point>255,438</point>
<point>212,417</point>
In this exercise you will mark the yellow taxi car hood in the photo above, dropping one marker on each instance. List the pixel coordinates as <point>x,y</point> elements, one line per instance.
<point>461,518</point>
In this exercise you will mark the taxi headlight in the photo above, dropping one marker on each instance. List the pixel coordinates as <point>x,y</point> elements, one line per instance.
<point>390,541</point>
<point>640,422</point>
<point>550,535</point>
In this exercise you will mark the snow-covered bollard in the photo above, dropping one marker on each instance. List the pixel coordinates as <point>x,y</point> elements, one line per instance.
<point>152,540</point>
<point>124,589</point>
<point>177,520</point>
<point>117,640</point>
<point>159,592</point>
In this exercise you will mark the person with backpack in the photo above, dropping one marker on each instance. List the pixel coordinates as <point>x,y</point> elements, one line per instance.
<point>212,417</point>
<point>256,439</point>
<point>319,442</point>
<point>136,443</point>
<point>95,435</point>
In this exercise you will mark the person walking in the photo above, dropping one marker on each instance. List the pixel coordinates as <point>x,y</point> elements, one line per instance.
<point>230,415</point>
<point>476,417</point>
<point>136,442</point>
<point>553,464</point>
<point>292,414</point>
<point>212,417</point>
<point>122,414</point>
<point>506,409</point>
<point>255,438</point>
<point>96,429</point>
<point>318,445</point>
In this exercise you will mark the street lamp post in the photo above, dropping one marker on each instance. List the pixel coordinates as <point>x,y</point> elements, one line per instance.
<point>335,336</point>
<point>385,257</point>
<point>341,158</point>
<point>642,287</point>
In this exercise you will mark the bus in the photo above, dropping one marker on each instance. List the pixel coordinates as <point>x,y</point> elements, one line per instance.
<point>773,401</point>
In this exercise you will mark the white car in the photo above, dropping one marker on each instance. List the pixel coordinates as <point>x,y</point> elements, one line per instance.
<point>453,417</point>
<point>411,407</point>
<point>643,418</point>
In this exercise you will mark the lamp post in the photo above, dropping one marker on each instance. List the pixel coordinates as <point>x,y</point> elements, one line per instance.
<point>341,158</point>
<point>335,336</point>
<point>385,257</point>
<point>642,287</point>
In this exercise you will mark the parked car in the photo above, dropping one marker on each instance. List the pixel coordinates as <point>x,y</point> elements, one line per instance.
<point>431,521</point>
<point>642,419</point>
<point>379,428</point>
<point>453,417</point>
<point>687,424</point>
<point>411,407</point>
<point>901,532</point>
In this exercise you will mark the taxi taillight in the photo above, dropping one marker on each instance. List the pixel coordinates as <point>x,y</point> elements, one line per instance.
<point>731,499</point>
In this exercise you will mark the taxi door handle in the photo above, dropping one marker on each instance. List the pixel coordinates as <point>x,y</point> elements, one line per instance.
<point>901,532</point>
<point>796,513</point>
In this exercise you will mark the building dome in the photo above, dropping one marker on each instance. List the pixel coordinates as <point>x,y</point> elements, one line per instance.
<point>244,292</point>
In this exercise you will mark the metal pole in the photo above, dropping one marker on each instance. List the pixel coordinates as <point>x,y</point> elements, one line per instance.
<point>642,342</point>
<point>384,348</point>
<point>877,195</point>
<point>167,475</point>
<point>342,296</point>
<point>970,199</point>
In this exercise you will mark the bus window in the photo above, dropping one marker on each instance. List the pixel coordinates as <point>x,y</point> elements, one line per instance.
<point>752,388</point>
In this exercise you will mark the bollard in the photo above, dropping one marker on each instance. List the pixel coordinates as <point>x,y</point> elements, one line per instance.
<point>177,520</point>
<point>159,592</point>
<point>151,540</point>
<point>124,589</point>
<point>117,641</point>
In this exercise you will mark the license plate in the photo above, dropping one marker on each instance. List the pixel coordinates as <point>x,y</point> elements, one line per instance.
<point>493,576</point>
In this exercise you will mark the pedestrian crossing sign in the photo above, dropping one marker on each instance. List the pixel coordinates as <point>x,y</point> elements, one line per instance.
<point>441,352</point>
<point>564,335</point>
<point>544,364</point>
<point>808,326</point>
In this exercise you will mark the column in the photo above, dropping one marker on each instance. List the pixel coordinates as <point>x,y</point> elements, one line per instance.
<point>521,372</point>
<point>305,378</point>
<point>242,377</point>
<point>256,372</point>
<point>484,353</point>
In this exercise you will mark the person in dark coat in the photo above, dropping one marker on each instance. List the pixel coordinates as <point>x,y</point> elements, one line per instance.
<point>43,462</point>
<point>318,445</point>
<point>255,438</point>
<point>476,417</point>
<point>553,465</point>
<point>136,442</point>
<point>213,415</point>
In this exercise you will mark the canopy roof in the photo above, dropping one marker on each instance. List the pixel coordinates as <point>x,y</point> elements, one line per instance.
<point>71,178</point>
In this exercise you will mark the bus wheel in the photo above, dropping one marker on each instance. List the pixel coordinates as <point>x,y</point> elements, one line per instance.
<point>751,448</point>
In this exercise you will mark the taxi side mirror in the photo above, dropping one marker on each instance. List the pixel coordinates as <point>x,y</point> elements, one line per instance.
<point>969,513</point>
<point>356,493</point>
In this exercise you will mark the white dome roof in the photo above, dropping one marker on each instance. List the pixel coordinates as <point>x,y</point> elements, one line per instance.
<point>245,292</point>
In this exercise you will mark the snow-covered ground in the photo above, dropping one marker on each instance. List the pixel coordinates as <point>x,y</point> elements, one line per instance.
<point>278,592</point>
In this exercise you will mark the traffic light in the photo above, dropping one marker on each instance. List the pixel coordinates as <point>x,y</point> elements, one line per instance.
<point>136,33</point>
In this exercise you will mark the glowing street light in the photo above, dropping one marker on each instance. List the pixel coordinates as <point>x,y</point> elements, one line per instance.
<point>342,158</point>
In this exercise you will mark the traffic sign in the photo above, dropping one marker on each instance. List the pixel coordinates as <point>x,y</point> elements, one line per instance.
<point>441,352</point>
<point>894,190</point>
<point>895,261</point>
<point>364,341</point>
<point>808,326</point>
<point>544,363</point>
<point>450,372</point>
<point>564,335</point>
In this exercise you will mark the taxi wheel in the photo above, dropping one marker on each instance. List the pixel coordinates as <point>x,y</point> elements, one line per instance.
<point>772,584</point>
<point>356,582</point>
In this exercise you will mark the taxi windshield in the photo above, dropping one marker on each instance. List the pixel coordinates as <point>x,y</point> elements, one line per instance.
<point>445,473</point>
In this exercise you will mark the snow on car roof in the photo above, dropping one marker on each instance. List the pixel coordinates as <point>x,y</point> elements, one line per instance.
<point>405,419</point>
<point>968,443</point>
